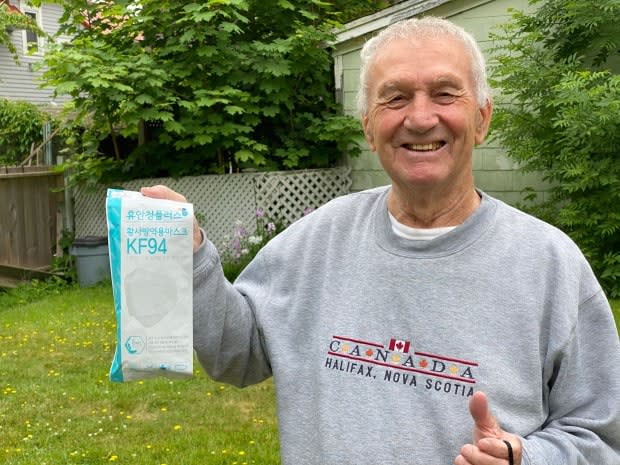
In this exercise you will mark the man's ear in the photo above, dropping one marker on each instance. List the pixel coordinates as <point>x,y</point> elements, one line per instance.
<point>368,132</point>
<point>484,121</point>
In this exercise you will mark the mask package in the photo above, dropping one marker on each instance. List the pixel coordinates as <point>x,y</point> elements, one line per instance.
<point>150,242</point>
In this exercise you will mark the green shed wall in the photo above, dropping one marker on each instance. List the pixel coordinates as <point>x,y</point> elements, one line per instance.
<point>494,172</point>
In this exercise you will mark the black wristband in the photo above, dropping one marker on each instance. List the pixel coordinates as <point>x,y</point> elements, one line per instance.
<point>511,458</point>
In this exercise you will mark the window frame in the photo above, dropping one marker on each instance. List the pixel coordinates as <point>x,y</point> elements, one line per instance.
<point>35,13</point>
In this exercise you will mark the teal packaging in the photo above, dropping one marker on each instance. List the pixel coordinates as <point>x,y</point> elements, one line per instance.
<point>150,242</point>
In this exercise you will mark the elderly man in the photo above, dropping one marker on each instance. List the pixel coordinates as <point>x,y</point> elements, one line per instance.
<point>395,320</point>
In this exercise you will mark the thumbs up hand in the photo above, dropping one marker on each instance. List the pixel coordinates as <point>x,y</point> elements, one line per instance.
<point>491,445</point>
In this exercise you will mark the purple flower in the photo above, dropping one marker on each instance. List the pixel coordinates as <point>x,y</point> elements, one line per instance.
<point>271,227</point>
<point>308,210</point>
<point>260,213</point>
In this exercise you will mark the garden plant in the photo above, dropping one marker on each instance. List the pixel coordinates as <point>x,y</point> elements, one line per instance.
<point>244,242</point>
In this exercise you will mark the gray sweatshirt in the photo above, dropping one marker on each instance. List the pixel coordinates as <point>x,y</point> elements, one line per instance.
<point>376,342</point>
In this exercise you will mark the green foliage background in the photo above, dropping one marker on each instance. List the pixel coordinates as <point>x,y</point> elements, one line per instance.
<point>559,113</point>
<point>205,87</point>
<point>20,126</point>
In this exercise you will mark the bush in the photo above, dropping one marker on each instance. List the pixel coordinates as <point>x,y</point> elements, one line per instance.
<point>223,86</point>
<point>559,114</point>
<point>20,126</point>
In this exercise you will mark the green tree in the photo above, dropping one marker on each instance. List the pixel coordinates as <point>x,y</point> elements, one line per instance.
<point>9,20</point>
<point>559,113</point>
<point>204,86</point>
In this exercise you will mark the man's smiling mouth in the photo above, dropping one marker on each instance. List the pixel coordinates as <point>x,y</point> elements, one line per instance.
<point>424,147</point>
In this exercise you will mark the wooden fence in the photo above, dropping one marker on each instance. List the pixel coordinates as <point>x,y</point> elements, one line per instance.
<point>30,216</point>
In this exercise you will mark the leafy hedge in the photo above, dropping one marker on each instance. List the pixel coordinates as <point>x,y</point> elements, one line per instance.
<point>559,113</point>
<point>20,126</point>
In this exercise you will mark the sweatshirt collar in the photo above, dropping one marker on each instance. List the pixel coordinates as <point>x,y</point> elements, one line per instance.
<point>461,237</point>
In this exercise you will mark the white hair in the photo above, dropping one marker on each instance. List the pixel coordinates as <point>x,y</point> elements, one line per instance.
<point>427,27</point>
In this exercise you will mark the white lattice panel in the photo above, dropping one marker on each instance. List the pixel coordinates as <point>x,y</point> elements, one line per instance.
<point>221,200</point>
<point>286,196</point>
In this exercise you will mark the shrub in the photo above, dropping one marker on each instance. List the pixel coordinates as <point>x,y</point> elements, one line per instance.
<point>20,126</point>
<point>227,85</point>
<point>559,114</point>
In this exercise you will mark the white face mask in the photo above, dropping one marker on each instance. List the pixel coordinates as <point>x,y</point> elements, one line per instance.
<point>151,261</point>
<point>146,306</point>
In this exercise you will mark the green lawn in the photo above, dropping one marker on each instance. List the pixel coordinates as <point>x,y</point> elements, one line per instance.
<point>58,407</point>
<point>615,307</point>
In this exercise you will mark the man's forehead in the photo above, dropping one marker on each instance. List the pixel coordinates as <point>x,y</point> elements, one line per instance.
<point>424,59</point>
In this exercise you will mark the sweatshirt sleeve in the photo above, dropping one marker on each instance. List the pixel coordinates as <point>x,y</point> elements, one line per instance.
<point>227,340</point>
<point>583,426</point>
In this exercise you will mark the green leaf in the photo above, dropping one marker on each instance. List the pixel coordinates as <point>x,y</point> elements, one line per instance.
<point>203,139</point>
<point>211,101</point>
<point>204,16</point>
<point>143,99</point>
<point>174,127</point>
<point>270,110</point>
<point>244,155</point>
<point>285,4</point>
<point>233,109</point>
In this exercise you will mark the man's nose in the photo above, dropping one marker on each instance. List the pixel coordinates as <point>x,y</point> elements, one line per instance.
<point>420,115</point>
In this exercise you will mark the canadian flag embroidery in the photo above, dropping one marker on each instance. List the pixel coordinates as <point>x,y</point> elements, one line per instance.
<point>400,346</point>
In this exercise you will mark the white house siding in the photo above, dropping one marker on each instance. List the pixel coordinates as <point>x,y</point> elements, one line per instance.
<point>21,82</point>
<point>495,173</point>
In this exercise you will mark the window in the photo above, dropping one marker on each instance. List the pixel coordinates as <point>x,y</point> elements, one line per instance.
<point>32,42</point>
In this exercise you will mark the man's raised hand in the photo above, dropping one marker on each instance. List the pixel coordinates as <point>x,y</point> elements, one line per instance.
<point>489,440</point>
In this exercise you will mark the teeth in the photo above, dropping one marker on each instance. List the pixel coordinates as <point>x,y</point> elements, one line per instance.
<point>424,147</point>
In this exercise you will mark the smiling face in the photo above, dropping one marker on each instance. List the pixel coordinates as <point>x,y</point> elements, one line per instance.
<point>423,119</point>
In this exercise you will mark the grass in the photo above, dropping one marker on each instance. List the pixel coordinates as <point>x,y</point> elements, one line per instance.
<point>57,405</point>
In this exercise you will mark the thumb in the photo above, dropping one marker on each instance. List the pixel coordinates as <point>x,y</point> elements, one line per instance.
<point>485,424</point>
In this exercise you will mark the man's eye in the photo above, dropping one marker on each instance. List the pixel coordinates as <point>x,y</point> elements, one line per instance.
<point>395,100</point>
<point>445,97</point>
